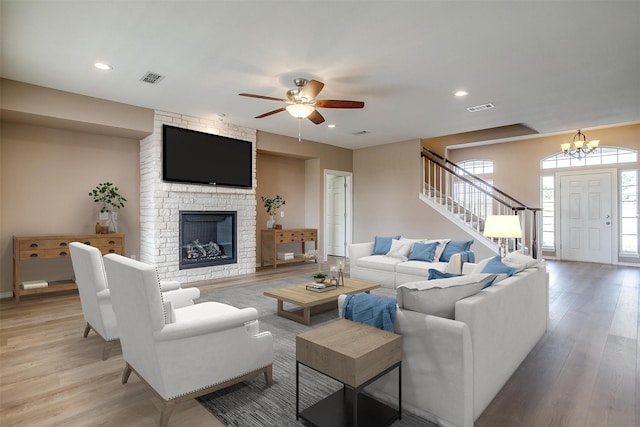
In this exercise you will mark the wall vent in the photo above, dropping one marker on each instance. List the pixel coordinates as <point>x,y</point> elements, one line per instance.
<point>153,78</point>
<point>362,132</point>
<point>480,107</point>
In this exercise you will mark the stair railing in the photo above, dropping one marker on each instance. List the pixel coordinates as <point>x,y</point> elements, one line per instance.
<point>471,199</point>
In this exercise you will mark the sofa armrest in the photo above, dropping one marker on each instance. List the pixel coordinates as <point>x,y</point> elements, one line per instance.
<point>437,369</point>
<point>210,324</point>
<point>359,250</point>
<point>104,296</point>
<point>181,297</point>
<point>169,285</point>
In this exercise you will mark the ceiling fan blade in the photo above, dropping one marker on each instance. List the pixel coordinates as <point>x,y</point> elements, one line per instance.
<point>262,97</point>
<point>316,117</point>
<point>338,103</point>
<point>311,89</point>
<point>279,110</point>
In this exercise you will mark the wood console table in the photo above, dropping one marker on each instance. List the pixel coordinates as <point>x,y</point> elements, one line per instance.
<point>54,246</point>
<point>271,238</point>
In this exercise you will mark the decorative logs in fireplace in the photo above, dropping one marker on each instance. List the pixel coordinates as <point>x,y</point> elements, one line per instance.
<point>217,229</point>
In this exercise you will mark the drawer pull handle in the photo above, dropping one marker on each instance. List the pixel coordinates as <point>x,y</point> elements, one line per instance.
<point>87,243</point>
<point>33,245</point>
<point>111,251</point>
<point>33,255</point>
<point>111,242</point>
<point>63,253</point>
<point>302,240</point>
<point>63,244</point>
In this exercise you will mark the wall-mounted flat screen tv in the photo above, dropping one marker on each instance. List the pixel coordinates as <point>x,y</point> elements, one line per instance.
<point>202,158</point>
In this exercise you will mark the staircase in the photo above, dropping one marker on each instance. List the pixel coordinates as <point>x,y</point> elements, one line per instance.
<point>467,200</point>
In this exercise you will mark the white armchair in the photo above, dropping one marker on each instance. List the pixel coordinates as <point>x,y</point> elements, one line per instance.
<point>95,296</point>
<point>184,353</point>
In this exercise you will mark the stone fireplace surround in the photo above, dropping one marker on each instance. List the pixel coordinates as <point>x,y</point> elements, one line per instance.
<point>161,203</point>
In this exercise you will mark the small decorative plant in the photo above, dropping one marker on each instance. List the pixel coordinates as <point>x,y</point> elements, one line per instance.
<point>272,204</point>
<point>107,194</point>
<point>319,276</point>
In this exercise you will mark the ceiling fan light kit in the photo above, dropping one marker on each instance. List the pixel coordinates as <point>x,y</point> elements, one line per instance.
<point>300,111</point>
<point>301,101</point>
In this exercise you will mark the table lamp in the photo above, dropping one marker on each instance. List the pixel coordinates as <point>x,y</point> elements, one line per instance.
<point>503,227</point>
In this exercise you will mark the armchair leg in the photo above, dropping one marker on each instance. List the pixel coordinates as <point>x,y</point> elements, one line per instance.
<point>166,412</point>
<point>107,348</point>
<point>86,330</point>
<point>268,375</point>
<point>126,373</point>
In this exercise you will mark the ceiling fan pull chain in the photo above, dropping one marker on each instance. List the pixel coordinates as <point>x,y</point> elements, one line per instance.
<point>299,130</point>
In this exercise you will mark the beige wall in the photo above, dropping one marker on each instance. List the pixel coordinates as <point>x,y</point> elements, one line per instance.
<point>305,181</point>
<point>517,162</point>
<point>46,176</point>
<point>387,181</point>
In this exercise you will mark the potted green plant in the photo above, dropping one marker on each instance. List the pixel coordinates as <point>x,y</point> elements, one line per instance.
<point>272,204</point>
<point>319,276</point>
<point>108,196</point>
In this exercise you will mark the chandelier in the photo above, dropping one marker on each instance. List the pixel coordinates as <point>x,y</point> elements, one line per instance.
<point>579,148</point>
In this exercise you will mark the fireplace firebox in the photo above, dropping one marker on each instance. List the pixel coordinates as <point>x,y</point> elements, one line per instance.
<point>207,238</point>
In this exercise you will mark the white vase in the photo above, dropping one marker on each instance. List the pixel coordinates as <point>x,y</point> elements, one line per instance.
<point>271,221</point>
<point>113,222</point>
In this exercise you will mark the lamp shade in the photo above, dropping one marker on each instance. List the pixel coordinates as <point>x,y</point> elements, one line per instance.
<point>300,111</point>
<point>502,226</point>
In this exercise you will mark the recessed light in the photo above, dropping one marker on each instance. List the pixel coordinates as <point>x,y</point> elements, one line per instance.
<point>461,93</point>
<point>103,66</point>
<point>331,126</point>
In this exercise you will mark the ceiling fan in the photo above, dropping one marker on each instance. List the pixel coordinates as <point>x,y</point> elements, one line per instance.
<point>302,102</point>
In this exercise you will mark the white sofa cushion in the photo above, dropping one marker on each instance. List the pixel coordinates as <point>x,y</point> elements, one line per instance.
<point>419,268</point>
<point>438,297</point>
<point>400,248</point>
<point>378,262</point>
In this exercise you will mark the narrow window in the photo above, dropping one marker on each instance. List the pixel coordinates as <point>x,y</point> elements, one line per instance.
<point>629,213</point>
<point>547,200</point>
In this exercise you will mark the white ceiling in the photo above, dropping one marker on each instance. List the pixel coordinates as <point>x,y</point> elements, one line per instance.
<point>551,65</point>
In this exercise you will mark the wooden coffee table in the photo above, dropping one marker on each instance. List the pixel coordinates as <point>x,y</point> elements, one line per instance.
<point>314,302</point>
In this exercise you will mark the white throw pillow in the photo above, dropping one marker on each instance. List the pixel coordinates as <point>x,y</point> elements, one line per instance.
<point>400,248</point>
<point>438,297</point>
<point>442,243</point>
<point>520,261</point>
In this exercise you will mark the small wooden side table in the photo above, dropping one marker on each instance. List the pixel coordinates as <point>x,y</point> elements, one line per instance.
<point>354,354</point>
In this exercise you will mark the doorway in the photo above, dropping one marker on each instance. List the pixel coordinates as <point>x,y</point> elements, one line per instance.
<point>587,209</point>
<point>337,212</point>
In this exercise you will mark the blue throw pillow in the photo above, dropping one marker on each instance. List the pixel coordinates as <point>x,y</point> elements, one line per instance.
<point>381,245</point>
<point>454,247</point>
<point>423,251</point>
<point>496,266</point>
<point>437,274</point>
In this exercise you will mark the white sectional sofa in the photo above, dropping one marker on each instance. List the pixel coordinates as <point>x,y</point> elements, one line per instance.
<point>391,270</point>
<point>453,367</point>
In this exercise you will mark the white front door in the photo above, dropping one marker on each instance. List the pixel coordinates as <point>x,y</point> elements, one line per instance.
<point>586,213</point>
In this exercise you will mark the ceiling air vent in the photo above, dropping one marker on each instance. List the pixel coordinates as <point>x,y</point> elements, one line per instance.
<point>362,132</point>
<point>480,107</point>
<point>153,78</point>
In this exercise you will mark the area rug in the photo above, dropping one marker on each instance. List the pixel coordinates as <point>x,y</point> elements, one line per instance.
<point>254,404</point>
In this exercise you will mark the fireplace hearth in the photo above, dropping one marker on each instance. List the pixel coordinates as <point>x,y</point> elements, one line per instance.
<point>207,238</point>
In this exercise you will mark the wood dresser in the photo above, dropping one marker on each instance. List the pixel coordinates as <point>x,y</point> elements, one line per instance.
<point>56,246</point>
<point>272,238</point>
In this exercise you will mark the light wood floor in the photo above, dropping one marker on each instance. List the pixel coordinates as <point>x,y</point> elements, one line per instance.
<point>583,372</point>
